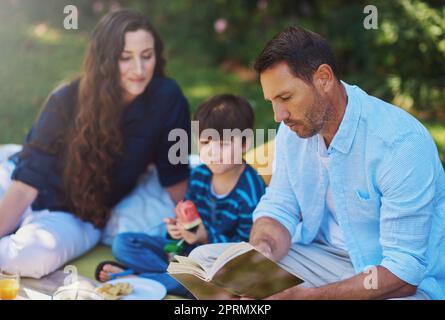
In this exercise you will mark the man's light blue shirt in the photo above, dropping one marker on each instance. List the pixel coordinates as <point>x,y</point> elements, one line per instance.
<point>388,188</point>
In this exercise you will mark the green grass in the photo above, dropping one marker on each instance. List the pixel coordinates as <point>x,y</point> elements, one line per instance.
<point>30,67</point>
<point>438,132</point>
<point>33,61</point>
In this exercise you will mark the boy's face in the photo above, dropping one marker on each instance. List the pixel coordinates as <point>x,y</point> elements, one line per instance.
<point>221,155</point>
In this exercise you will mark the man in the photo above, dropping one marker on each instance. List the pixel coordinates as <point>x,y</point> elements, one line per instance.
<point>356,204</point>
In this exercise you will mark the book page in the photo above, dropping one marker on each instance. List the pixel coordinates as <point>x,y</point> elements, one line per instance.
<point>240,270</point>
<point>206,271</point>
<point>254,275</point>
<point>187,265</point>
<point>230,253</point>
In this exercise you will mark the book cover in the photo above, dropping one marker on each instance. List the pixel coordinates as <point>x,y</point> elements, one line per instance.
<point>239,271</point>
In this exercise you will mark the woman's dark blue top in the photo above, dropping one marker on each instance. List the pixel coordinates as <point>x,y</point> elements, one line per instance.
<point>146,124</point>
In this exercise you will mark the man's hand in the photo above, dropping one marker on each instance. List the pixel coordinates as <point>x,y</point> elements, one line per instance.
<point>200,236</point>
<point>173,228</point>
<point>265,248</point>
<point>270,238</point>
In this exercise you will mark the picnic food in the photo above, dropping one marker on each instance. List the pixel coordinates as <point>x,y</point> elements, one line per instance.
<point>187,214</point>
<point>115,291</point>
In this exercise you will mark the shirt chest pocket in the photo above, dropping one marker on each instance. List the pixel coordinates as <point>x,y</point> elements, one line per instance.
<point>365,205</point>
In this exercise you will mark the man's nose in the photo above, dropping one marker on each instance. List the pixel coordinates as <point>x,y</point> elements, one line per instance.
<point>280,113</point>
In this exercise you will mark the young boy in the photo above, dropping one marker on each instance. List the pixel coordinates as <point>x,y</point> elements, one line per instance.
<point>224,189</point>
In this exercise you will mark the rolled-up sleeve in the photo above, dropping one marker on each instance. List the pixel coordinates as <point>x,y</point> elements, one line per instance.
<point>407,183</point>
<point>279,202</point>
<point>38,159</point>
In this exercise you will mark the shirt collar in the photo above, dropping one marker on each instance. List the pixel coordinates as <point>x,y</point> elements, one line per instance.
<point>345,135</point>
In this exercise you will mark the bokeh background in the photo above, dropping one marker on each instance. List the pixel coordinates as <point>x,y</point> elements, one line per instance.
<point>211,45</point>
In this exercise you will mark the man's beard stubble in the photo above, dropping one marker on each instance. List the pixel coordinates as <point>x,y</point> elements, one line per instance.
<point>320,114</point>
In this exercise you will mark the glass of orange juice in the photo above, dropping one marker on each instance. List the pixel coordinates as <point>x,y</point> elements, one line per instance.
<point>9,286</point>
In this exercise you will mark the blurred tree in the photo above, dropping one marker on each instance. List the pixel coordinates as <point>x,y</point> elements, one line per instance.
<point>403,60</point>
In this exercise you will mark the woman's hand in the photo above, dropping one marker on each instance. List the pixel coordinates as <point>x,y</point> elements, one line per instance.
<point>200,236</point>
<point>173,228</point>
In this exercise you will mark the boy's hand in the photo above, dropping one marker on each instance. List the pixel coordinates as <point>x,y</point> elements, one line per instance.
<point>173,228</point>
<point>200,236</point>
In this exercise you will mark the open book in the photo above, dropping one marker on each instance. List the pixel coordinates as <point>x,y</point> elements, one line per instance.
<point>240,270</point>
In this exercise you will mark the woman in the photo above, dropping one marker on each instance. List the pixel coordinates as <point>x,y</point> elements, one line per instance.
<point>92,142</point>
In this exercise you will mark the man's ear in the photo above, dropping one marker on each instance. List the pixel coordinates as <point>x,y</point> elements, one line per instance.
<point>324,77</point>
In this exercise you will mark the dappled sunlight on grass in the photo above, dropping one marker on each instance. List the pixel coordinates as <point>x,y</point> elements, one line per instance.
<point>36,57</point>
<point>437,130</point>
<point>438,133</point>
<point>200,91</point>
<point>42,32</point>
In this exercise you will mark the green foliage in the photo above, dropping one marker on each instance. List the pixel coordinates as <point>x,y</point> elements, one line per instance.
<point>408,52</point>
<point>403,61</point>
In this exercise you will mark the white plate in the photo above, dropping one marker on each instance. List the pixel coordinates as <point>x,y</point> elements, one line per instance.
<point>143,289</point>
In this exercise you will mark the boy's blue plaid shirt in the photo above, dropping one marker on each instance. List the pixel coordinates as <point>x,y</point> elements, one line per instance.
<point>228,219</point>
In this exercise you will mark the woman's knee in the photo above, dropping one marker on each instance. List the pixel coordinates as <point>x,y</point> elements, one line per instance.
<point>44,245</point>
<point>29,259</point>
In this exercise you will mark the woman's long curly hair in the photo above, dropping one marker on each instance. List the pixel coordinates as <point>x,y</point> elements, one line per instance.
<point>95,139</point>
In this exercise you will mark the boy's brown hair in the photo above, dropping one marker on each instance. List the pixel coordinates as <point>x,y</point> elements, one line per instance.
<point>225,111</point>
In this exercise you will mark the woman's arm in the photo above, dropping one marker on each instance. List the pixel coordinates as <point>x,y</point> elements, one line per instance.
<point>177,191</point>
<point>17,198</point>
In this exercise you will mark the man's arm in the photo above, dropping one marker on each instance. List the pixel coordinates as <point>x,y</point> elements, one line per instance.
<point>273,239</point>
<point>358,287</point>
<point>278,212</point>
